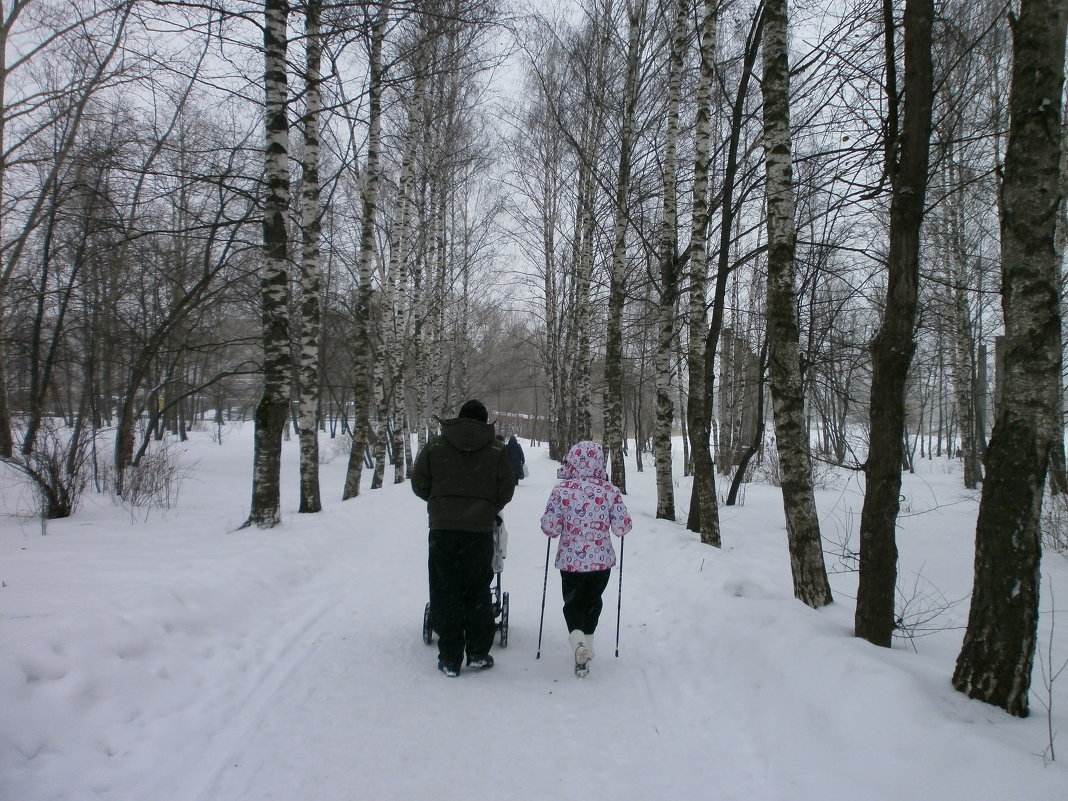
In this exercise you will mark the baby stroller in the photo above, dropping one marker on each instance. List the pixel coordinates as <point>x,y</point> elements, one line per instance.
<point>499,598</point>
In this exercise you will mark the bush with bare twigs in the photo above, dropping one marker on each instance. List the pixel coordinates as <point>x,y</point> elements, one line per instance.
<point>57,467</point>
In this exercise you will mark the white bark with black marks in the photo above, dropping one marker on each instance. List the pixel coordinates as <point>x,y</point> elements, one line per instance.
<point>613,367</point>
<point>698,414</point>
<point>361,322</point>
<point>788,402</point>
<point>667,328</point>
<point>310,322</point>
<point>273,408</point>
<point>996,659</point>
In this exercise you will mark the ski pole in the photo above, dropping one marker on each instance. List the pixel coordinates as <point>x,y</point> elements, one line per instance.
<point>619,602</point>
<point>544,587</point>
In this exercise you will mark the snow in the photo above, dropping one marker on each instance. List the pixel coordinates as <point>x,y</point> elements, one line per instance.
<point>168,656</point>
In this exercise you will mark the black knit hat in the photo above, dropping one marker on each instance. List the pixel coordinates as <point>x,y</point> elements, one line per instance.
<point>474,410</point>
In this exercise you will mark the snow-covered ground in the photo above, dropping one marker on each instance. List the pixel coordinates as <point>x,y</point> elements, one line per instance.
<point>166,656</point>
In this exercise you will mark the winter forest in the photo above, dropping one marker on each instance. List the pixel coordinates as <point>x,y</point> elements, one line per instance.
<point>742,243</point>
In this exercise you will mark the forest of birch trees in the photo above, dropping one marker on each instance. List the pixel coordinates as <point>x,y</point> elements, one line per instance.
<point>738,236</point>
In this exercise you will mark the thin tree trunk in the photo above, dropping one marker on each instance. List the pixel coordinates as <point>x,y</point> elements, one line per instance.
<point>704,515</point>
<point>788,402</point>
<point>587,182</point>
<point>581,306</point>
<point>683,418</point>
<point>7,443</point>
<point>274,283</point>
<point>669,276</point>
<point>361,371</point>
<point>308,369</point>
<point>613,363</point>
<point>380,430</point>
<point>962,365</point>
<point>758,435</point>
<point>390,355</point>
<point>962,369</point>
<point>997,656</point>
<point>894,344</point>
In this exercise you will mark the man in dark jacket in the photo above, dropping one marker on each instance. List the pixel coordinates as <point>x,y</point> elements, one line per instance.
<point>465,476</point>
<point>515,453</point>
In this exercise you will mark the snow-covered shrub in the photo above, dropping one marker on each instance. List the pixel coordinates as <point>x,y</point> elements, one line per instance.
<point>339,446</point>
<point>155,480</point>
<point>57,467</point>
<point>769,471</point>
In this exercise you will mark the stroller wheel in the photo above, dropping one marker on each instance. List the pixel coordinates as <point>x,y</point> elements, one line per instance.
<point>504,621</point>
<point>428,629</point>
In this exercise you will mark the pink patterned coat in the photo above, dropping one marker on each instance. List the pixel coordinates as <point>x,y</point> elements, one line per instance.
<point>584,510</point>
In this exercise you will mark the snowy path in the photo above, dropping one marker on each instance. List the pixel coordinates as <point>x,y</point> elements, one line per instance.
<point>361,711</point>
<point>173,659</point>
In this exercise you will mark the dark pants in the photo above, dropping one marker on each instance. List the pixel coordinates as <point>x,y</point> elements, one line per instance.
<point>582,598</point>
<point>461,609</point>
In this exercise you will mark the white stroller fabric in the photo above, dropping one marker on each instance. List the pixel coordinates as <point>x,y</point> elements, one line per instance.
<point>500,545</point>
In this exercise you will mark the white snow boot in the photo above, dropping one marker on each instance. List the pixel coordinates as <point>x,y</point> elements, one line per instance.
<point>582,647</point>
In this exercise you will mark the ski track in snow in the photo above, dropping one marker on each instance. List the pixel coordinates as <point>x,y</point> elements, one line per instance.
<point>166,660</point>
<point>296,643</point>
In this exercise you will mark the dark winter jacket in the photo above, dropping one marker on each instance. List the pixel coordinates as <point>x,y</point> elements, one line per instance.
<point>464,475</point>
<point>515,453</point>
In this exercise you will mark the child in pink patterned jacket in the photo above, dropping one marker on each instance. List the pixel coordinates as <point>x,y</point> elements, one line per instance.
<point>584,510</point>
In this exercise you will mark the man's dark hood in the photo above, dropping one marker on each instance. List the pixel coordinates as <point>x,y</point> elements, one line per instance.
<point>467,435</point>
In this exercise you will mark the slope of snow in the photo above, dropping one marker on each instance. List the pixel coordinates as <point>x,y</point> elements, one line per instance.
<point>167,656</point>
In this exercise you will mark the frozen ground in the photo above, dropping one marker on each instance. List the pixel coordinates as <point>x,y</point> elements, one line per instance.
<point>166,656</point>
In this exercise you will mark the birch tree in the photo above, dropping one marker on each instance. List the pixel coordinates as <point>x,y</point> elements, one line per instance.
<point>704,514</point>
<point>613,403</point>
<point>390,353</point>
<point>361,380</point>
<point>593,122</point>
<point>894,344</point>
<point>802,524</point>
<point>996,659</point>
<point>788,402</point>
<point>310,323</point>
<point>272,410</point>
<point>669,273</point>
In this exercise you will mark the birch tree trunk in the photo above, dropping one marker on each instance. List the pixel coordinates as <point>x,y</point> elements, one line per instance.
<point>435,402</point>
<point>400,339</point>
<point>549,156</point>
<point>894,344</point>
<point>728,212</point>
<point>961,330</point>
<point>962,369</point>
<point>552,314</point>
<point>788,402</point>
<point>361,334</point>
<point>613,363</point>
<point>7,21</point>
<point>274,284</point>
<point>583,276</point>
<point>389,356</point>
<point>308,369</point>
<point>593,128</point>
<point>392,352</point>
<point>669,278</point>
<point>704,514</point>
<point>379,432</point>
<point>997,656</point>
